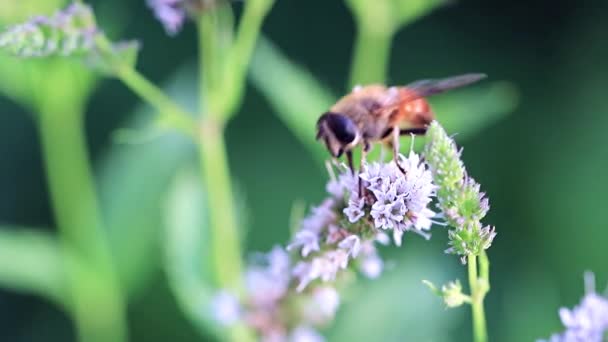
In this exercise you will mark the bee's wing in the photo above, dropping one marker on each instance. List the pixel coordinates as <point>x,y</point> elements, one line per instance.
<point>424,88</point>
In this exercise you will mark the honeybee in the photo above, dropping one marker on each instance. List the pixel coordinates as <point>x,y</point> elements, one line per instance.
<point>377,113</point>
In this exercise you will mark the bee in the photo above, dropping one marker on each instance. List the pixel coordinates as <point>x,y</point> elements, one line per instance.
<point>377,113</point>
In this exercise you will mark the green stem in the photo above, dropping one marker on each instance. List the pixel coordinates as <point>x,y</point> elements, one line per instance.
<point>484,270</point>
<point>172,114</point>
<point>96,303</point>
<point>209,65</point>
<point>222,71</point>
<point>225,242</point>
<point>477,296</point>
<point>239,56</point>
<point>371,56</point>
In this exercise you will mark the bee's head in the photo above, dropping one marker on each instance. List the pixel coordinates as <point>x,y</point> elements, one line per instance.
<point>338,132</point>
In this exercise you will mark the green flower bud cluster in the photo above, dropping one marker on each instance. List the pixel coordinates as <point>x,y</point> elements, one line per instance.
<point>459,196</point>
<point>71,31</point>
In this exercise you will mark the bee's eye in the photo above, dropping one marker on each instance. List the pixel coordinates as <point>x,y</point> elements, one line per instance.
<point>342,127</point>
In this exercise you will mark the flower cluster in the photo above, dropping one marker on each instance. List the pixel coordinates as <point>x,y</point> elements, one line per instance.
<point>287,298</point>
<point>400,201</point>
<point>172,14</point>
<point>586,322</point>
<point>70,31</point>
<point>459,196</point>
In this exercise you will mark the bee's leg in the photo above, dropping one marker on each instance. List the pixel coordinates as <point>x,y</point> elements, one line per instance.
<point>351,165</point>
<point>364,151</point>
<point>396,134</point>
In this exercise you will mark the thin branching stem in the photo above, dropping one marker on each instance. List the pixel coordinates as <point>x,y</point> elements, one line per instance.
<point>477,295</point>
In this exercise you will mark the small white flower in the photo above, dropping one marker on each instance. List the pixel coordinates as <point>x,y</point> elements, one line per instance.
<point>346,183</point>
<point>332,262</point>
<point>307,240</point>
<point>320,217</point>
<point>268,282</point>
<point>383,239</point>
<point>327,300</point>
<point>324,267</point>
<point>372,266</point>
<point>381,213</point>
<point>586,322</point>
<point>305,334</point>
<point>352,244</point>
<point>397,236</point>
<point>225,308</point>
<point>322,306</point>
<point>354,210</point>
<point>306,272</point>
<point>335,234</point>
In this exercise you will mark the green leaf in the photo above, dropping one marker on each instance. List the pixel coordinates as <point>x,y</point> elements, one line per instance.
<point>31,262</point>
<point>295,95</point>
<point>187,261</point>
<point>134,179</point>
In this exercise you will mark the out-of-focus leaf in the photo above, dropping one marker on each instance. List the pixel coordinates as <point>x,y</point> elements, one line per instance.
<point>295,95</point>
<point>468,111</point>
<point>397,306</point>
<point>17,11</point>
<point>187,262</point>
<point>133,180</point>
<point>31,262</point>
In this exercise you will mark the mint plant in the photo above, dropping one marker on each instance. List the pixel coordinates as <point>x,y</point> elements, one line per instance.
<point>292,292</point>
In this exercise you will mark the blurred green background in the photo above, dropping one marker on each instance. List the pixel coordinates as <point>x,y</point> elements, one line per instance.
<point>542,167</point>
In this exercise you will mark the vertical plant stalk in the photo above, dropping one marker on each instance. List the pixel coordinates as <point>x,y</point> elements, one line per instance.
<point>371,56</point>
<point>225,241</point>
<point>96,303</point>
<point>479,288</point>
<point>222,70</point>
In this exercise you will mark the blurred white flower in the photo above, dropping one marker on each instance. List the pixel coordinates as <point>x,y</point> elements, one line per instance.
<point>586,322</point>
<point>225,308</point>
<point>352,244</point>
<point>345,184</point>
<point>305,334</point>
<point>371,266</point>
<point>320,217</point>
<point>306,240</point>
<point>322,306</point>
<point>324,267</point>
<point>268,280</point>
